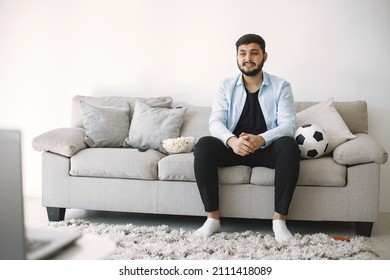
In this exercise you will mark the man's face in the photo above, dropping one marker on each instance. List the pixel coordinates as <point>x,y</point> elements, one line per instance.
<point>250,59</point>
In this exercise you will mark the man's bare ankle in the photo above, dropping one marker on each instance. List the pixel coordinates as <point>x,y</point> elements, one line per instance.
<point>214,215</point>
<point>278,216</point>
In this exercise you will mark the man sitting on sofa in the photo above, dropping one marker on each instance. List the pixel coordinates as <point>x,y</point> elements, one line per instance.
<point>252,123</point>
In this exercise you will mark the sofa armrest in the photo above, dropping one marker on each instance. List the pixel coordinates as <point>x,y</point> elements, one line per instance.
<point>363,149</point>
<point>63,141</point>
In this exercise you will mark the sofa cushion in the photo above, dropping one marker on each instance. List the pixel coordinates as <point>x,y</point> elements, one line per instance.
<point>180,167</point>
<point>115,163</point>
<point>77,119</point>
<point>105,126</point>
<point>325,115</point>
<point>177,167</point>
<point>354,113</point>
<point>196,122</point>
<point>314,172</point>
<point>64,141</point>
<point>150,126</point>
<point>351,152</point>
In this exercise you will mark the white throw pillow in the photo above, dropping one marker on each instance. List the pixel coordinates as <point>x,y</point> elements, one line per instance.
<point>150,126</point>
<point>325,115</point>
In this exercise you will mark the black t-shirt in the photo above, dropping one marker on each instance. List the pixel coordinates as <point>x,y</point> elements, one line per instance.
<point>252,119</point>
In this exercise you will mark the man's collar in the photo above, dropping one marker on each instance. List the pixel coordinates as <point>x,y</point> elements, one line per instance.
<point>265,79</point>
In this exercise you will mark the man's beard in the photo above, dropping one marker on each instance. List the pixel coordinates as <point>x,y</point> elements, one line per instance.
<point>253,72</point>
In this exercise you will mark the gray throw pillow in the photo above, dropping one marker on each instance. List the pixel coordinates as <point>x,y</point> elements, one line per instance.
<point>65,141</point>
<point>112,100</point>
<point>105,126</point>
<point>150,126</point>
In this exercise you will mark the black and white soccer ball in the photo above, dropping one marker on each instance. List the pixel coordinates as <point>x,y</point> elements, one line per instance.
<point>312,141</point>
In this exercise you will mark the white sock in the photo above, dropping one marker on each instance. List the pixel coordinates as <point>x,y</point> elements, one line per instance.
<point>282,234</point>
<point>209,227</point>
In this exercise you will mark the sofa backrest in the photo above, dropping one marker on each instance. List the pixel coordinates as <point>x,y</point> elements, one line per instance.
<point>77,116</point>
<point>196,122</point>
<point>354,113</point>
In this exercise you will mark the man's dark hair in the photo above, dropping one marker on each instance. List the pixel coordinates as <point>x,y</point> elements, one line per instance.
<point>251,38</point>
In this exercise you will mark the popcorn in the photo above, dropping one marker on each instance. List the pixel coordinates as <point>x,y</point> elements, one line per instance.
<point>183,144</point>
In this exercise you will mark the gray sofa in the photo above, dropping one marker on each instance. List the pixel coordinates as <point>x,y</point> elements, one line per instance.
<point>340,186</point>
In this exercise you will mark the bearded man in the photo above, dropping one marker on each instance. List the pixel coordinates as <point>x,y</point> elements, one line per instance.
<point>252,123</point>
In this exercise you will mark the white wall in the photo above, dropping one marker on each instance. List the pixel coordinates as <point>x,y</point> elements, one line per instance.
<point>51,50</point>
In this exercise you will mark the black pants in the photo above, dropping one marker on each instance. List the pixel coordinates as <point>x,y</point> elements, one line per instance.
<point>282,155</point>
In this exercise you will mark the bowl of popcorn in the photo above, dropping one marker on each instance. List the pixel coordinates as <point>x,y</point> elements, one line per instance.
<point>183,144</point>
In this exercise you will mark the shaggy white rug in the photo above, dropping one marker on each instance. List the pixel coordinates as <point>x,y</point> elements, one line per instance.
<point>163,243</point>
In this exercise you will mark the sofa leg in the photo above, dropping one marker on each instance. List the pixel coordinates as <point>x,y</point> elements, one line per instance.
<point>55,214</point>
<point>363,228</point>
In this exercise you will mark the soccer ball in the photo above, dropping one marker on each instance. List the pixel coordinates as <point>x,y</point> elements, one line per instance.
<point>312,141</point>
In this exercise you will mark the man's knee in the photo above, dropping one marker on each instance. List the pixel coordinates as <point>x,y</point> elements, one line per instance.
<point>205,140</point>
<point>288,145</point>
<point>204,144</point>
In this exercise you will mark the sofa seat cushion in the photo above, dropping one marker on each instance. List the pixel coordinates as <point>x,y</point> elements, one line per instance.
<point>322,171</point>
<point>180,167</point>
<point>116,163</point>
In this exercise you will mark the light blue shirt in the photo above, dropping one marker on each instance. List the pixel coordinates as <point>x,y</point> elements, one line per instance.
<point>276,101</point>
